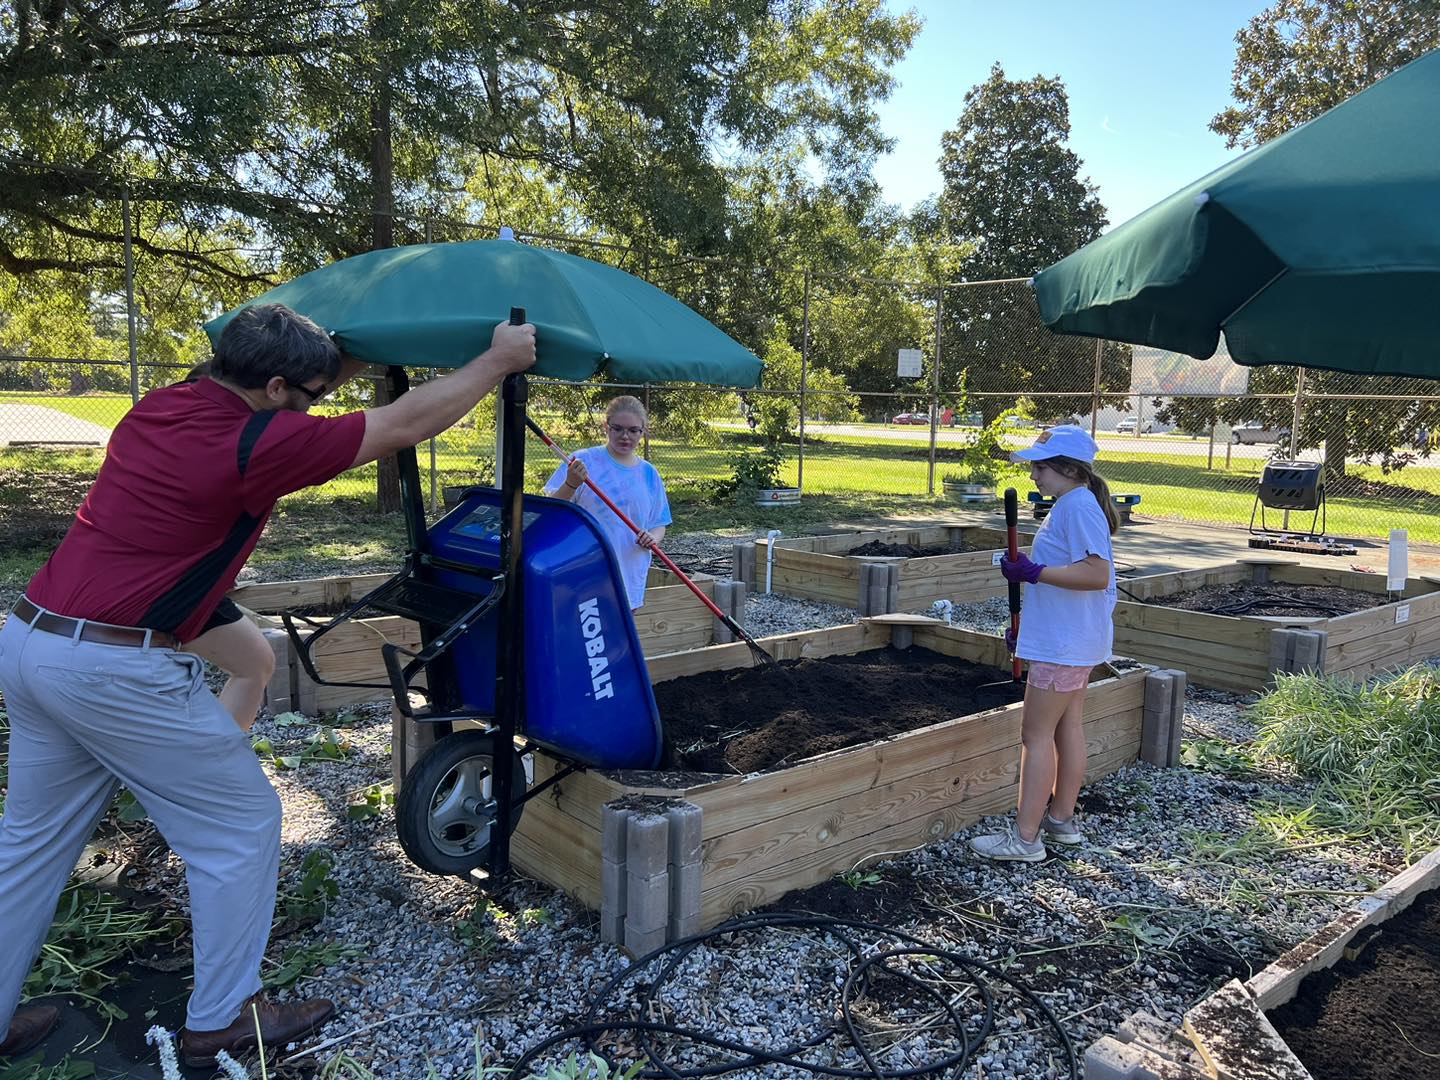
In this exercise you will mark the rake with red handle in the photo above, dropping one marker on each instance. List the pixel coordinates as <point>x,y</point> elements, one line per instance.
<point>761,656</point>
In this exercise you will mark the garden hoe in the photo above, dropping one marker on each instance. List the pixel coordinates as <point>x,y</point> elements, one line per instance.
<point>762,658</point>
<point>1012,543</point>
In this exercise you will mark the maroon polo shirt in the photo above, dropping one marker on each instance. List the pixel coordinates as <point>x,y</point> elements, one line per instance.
<point>188,481</point>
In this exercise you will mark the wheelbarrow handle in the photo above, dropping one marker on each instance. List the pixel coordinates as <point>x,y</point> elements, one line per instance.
<point>1012,542</point>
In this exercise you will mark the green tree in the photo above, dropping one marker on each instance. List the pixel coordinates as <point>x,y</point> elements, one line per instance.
<point>1012,189</point>
<point>1293,61</point>
<point>778,414</point>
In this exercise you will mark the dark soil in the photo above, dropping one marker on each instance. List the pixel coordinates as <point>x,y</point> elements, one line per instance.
<point>755,720</point>
<point>886,896</point>
<point>1376,1017</point>
<point>37,505</point>
<point>911,551</point>
<point>1295,601</point>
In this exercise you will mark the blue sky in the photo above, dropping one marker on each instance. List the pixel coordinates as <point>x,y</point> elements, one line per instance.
<point>1144,80</point>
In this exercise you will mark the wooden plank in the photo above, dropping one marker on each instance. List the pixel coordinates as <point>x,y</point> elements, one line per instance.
<point>1360,624</point>
<point>274,596</point>
<point>1149,586</point>
<point>351,653</point>
<point>673,619</point>
<point>1277,984</point>
<point>766,884</point>
<point>795,836</point>
<point>828,777</point>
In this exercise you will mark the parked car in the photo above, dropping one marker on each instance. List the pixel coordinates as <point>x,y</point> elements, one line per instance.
<point>910,418</point>
<point>1255,431</point>
<point>1130,425</point>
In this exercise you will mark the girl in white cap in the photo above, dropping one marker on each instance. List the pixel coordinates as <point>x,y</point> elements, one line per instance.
<point>1066,630</point>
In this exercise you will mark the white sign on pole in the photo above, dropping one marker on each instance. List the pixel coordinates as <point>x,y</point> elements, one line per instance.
<point>910,360</point>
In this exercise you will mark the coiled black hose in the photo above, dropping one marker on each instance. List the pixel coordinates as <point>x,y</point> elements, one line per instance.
<point>862,969</point>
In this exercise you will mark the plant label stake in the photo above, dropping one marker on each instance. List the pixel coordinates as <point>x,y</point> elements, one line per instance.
<point>761,656</point>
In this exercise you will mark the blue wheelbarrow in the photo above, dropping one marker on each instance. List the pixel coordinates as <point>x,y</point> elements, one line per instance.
<point>583,690</point>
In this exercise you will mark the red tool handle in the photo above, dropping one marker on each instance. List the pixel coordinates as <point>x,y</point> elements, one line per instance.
<point>669,565</point>
<point>1012,541</point>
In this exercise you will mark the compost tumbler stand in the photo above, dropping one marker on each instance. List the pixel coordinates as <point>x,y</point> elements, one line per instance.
<point>510,636</point>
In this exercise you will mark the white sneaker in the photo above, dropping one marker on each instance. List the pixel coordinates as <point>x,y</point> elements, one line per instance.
<point>1009,846</point>
<point>1062,832</point>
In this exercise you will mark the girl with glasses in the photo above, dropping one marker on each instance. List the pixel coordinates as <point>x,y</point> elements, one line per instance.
<point>630,481</point>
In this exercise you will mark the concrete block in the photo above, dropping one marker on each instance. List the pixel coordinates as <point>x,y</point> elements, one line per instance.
<point>739,591</point>
<point>614,885</point>
<point>1159,744</point>
<point>721,632</point>
<point>743,562</point>
<point>613,819</point>
<point>409,742</point>
<point>686,822</point>
<point>867,577</point>
<point>303,691</point>
<point>1309,653</point>
<point>685,899</point>
<point>1111,1059</point>
<point>647,844</point>
<point>277,691</point>
<point>902,637</point>
<point>892,588</point>
<point>612,928</point>
<point>1160,692</point>
<point>640,943</point>
<point>1177,722</point>
<point>647,903</point>
<point>1282,651</point>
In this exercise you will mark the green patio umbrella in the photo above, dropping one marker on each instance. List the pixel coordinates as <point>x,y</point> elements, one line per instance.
<point>436,305</point>
<point>1320,248</point>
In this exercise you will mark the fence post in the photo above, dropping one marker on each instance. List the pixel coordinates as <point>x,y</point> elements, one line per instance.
<point>1095,389</point>
<point>645,447</point>
<point>804,378</point>
<point>130,294</point>
<point>935,389</point>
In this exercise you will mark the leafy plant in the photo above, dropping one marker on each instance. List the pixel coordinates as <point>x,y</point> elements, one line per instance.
<point>90,932</point>
<point>315,889</point>
<point>301,960</point>
<point>752,471</point>
<point>374,800</point>
<point>858,879</point>
<point>1373,747</point>
<point>1218,756</point>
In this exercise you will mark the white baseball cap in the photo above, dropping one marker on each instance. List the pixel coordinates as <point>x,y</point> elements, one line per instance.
<point>1062,440</point>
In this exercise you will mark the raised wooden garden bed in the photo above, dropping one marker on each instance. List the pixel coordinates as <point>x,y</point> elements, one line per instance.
<point>1244,652</point>
<point>672,620</point>
<point>766,833</point>
<point>1229,1034</point>
<point>820,568</point>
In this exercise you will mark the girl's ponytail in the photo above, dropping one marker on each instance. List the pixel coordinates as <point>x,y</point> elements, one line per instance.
<point>1101,491</point>
<point>1083,473</point>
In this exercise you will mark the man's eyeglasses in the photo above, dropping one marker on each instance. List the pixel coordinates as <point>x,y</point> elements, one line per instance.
<point>311,396</point>
<point>633,432</point>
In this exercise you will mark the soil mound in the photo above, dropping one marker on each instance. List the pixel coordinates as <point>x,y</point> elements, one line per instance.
<point>909,551</point>
<point>755,720</point>
<point>1277,598</point>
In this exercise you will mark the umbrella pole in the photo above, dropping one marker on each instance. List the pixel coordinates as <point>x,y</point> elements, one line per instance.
<point>510,642</point>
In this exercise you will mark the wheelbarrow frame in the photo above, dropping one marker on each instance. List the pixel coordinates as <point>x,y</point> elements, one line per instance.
<point>436,637</point>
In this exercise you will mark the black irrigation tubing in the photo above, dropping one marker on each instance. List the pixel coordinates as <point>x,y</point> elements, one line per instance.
<point>858,980</point>
<point>1245,607</point>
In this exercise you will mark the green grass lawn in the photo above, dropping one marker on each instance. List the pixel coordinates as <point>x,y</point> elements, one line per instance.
<point>103,409</point>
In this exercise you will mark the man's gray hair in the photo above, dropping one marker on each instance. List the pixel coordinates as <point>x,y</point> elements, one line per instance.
<point>267,340</point>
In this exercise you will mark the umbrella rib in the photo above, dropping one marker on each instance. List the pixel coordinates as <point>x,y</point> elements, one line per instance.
<point>1253,296</point>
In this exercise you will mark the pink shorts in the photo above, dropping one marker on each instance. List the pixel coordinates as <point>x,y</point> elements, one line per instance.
<point>1062,678</point>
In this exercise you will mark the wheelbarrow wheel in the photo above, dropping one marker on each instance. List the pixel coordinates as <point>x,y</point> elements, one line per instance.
<point>447,808</point>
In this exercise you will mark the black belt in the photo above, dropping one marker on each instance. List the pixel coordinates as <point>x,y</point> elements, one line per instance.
<point>98,632</point>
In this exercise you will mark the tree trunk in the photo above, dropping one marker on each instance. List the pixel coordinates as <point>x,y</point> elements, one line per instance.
<point>382,232</point>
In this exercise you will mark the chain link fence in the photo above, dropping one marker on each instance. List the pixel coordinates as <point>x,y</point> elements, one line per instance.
<point>1190,439</point>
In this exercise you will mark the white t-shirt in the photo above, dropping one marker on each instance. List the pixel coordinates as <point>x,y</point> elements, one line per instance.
<point>1069,626</point>
<point>638,490</point>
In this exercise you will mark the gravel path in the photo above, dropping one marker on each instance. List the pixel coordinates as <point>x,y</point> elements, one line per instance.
<point>1181,885</point>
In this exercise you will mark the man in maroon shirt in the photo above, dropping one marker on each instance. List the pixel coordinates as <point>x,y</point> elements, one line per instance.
<point>100,690</point>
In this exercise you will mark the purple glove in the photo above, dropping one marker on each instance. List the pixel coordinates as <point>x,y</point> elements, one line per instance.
<point>1022,569</point>
<point>1010,639</point>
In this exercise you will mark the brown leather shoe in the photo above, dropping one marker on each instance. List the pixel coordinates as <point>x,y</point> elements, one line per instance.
<point>279,1024</point>
<point>28,1027</point>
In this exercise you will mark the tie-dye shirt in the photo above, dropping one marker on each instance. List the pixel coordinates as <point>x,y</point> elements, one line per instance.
<point>638,490</point>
